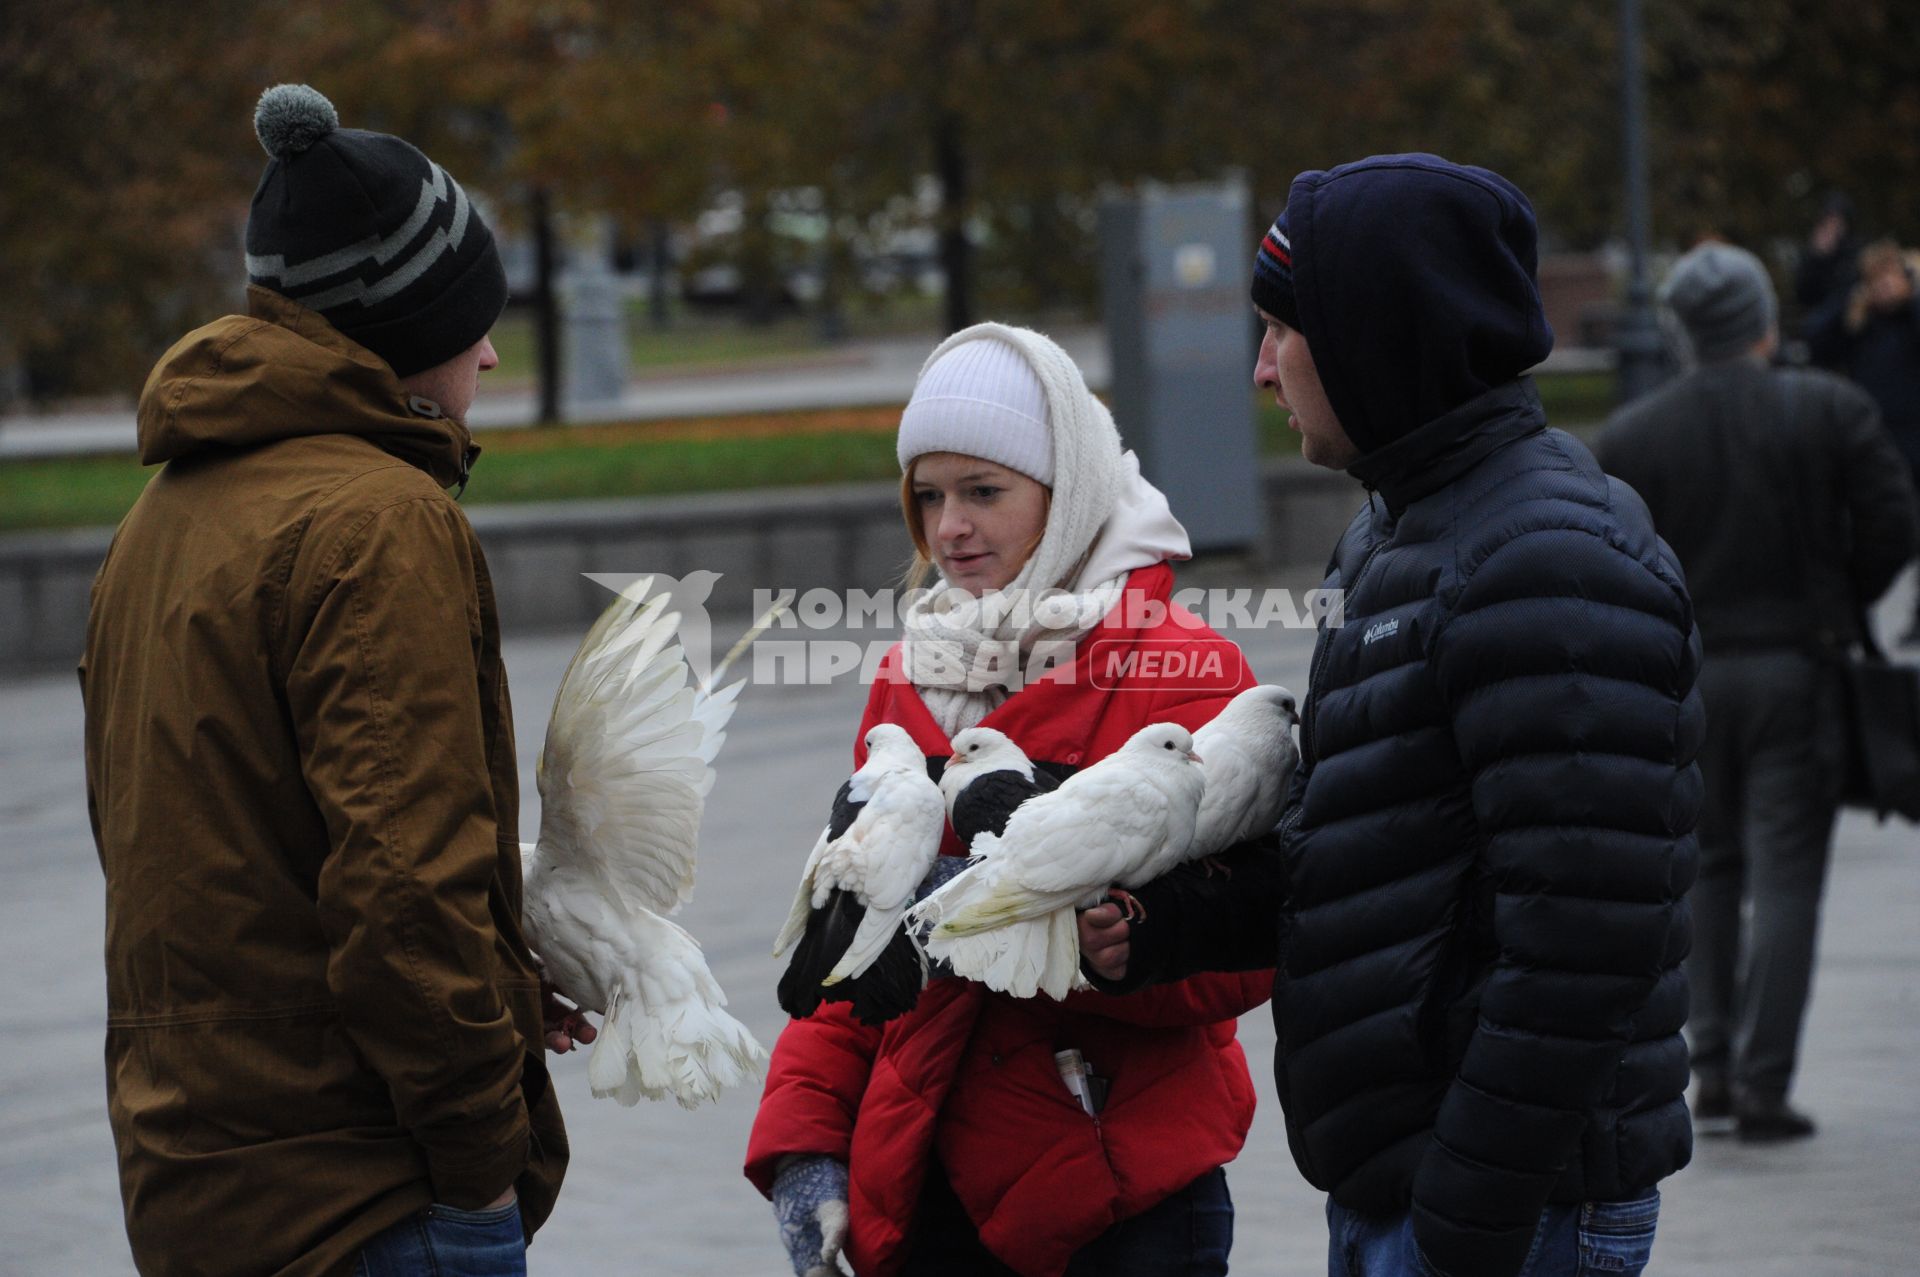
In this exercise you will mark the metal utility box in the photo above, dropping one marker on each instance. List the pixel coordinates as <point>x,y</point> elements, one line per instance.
<point>594,306</point>
<point>1177,262</point>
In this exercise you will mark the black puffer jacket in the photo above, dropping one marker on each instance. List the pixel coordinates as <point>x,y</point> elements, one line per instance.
<point>1480,996</point>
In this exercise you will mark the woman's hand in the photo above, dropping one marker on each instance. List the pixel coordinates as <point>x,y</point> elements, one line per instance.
<point>1103,941</point>
<point>810,1201</point>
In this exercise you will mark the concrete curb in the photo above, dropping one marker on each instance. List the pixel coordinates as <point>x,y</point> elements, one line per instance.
<point>835,536</point>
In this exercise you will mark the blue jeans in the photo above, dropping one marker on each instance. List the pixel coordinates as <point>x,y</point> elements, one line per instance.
<point>443,1241</point>
<point>1187,1235</point>
<point>1614,1238</point>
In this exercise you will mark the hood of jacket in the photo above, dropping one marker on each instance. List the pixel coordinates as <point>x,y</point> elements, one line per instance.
<point>281,372</point>
<point>1416,284</point>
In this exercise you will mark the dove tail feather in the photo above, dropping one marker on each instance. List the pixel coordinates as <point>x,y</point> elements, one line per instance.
<point>887,989</point>
<point>607,1066</point>
<point>870,940</point>
<point>1034,955</point>
<point>828,933</point>
<point>673,1037</point>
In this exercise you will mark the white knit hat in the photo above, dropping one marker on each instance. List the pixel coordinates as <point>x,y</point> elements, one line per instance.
<point>980,399</point>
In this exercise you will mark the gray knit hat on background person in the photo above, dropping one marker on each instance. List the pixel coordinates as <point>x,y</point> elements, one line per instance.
<point>1723,297</point>
<point>373,235</point>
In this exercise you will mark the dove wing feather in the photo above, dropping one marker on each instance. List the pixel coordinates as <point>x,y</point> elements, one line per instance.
<point>894,840</point>
<point>1087,833</point>
<point>1232,793</point>
<point>628,759</point>
<point>803,898</point>
<point>890,848</point>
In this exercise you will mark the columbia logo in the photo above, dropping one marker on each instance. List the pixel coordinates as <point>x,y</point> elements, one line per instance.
<point>1380,630</point>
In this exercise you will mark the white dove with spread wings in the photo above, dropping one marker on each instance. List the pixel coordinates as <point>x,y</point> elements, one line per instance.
<point>623,778</point>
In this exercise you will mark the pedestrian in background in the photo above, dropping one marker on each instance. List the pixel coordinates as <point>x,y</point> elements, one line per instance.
<point>1791,511</point>
<point>947,1142</point>
<point>1480,917</point>
<point>1829,264</point>
<point>1871,333</point>
<point>323,1023</point>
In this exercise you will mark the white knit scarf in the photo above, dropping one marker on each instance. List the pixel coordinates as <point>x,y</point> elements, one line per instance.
<point>964,654</point>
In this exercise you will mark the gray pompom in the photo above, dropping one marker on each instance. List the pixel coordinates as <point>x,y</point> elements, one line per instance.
<point>291,118</point>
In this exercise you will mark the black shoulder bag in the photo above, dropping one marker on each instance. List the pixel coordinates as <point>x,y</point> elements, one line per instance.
<point>1883,730</point>
<point>1882,708</point>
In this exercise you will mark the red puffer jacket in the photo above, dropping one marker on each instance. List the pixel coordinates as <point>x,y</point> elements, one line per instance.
<point>969,1074</point>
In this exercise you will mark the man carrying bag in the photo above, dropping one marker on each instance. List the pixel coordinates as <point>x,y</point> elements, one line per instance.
<point>1791,510</point>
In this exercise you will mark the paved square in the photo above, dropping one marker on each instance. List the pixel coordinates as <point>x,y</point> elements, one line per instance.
<point>658,1190</point>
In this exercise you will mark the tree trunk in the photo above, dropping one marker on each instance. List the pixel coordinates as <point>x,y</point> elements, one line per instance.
<point>759,283</point>
<point>546,310</point>
<point>836,271</point>
<point>956,250</point>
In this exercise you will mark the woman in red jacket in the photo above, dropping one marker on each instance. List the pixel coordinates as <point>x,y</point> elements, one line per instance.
<point>947,1141</point>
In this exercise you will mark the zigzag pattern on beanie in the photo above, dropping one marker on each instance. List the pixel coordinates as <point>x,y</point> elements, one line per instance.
<point>371,234</point>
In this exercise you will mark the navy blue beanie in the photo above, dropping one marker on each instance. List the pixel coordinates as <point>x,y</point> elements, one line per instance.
<point>1415,283</point>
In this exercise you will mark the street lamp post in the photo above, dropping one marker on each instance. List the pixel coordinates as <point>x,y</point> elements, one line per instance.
<point>1642,364</point>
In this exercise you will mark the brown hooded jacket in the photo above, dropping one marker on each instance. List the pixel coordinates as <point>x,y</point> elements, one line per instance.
<point>322,1015</point>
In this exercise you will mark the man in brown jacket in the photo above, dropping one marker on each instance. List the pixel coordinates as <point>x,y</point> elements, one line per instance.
<point>324,1024</point>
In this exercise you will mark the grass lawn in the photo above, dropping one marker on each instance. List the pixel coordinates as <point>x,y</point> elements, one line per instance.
<point>695,338</point>
<point>644,458</point>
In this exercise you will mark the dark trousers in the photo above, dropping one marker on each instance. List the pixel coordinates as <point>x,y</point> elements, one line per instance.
<point>1772,765</point>
<point>1187,1235</point>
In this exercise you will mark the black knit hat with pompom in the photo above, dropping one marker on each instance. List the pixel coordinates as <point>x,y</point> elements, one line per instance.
<point>371,233</point>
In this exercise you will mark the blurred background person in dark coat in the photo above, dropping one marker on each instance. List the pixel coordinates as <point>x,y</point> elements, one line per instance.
<point>1786,501</point>
<point>1871,332</point>
<point>1829,264</point>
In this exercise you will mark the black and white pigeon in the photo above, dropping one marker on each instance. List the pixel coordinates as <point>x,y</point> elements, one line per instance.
<point>986,779</point>
<point>1248,756</point>
<point>881,839</point>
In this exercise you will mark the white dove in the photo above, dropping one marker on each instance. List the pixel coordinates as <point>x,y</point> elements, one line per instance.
<point>1008,920</point>
<point>1249,760</point>
<point>623,780</point>
<point>882,839</point>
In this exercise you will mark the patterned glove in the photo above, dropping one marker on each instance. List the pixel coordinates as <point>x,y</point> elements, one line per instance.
<point>945,870</point>
<point>810,1201</point>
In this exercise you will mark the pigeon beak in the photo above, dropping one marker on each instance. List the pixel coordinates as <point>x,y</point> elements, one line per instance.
<point>1195,757</point>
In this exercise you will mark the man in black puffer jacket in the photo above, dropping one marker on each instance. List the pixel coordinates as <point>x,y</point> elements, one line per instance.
<point>1478,898</point>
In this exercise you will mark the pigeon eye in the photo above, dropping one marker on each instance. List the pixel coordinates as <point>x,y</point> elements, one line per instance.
<point>1166,745</point>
